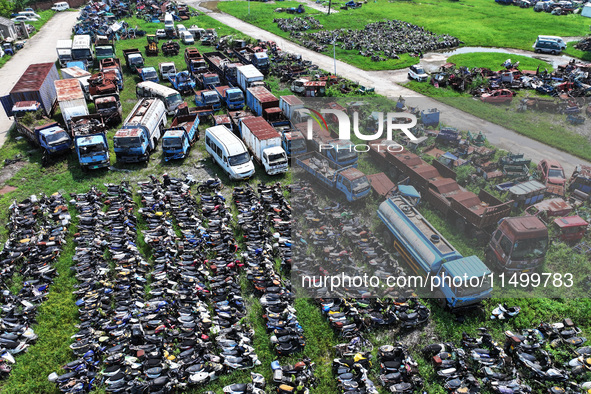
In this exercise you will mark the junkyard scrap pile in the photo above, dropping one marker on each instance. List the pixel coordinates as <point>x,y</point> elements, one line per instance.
<point>389,38</point>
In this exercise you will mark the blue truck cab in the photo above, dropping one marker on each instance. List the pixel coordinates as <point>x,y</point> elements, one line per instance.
<point>50,137</point>
<point>53,139</point>
<point>92,151</point>
<point>348,180</point>
<point>208,98</point>
<point>140,132</point>
<point>340,152</point>
<point>232,97</point>
<point>293,142</point>
<point>179,138</point>
<point>429,254</point>
<point>149,74</point>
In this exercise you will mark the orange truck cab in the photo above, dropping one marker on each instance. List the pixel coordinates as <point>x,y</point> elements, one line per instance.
<point>519,244</point>
<point>572,228</point>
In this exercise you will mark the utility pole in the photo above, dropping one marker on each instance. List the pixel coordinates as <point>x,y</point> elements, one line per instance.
<point>248,7</point>
<point>329,4</point>
<point>334,54</point>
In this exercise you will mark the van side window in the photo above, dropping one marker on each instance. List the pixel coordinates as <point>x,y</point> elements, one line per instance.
<point>218,151</point>
<point>506,245</point>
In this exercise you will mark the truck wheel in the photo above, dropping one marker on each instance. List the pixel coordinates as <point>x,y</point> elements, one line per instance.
<point>388,239</point>
<point>460,225</point>
<point>45,159</point>
<point>84,169</point>
<point>440,299</point>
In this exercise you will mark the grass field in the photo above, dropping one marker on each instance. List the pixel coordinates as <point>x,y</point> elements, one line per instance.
<point>475,22</point>
<point>58,315</point>
<point>495,61</point>
<point>572,51</point>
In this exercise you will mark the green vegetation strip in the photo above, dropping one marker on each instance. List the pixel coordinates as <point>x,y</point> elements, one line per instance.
<point>475,22</point>
<point>495,60</point>
<point>550,129</point>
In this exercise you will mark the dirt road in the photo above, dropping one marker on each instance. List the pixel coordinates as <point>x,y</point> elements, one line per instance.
<point>387,83</point>
<point>39,49</point>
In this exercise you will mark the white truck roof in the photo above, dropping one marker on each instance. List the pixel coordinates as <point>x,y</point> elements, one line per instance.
<point>250,71</point>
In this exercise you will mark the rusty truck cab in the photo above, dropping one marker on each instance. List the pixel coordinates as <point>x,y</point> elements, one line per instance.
<point>518,244</point>
<point>571,228</point>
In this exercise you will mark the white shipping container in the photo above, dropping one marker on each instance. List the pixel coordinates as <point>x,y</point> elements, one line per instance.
<point>248,74</point>
<point>289,104</point>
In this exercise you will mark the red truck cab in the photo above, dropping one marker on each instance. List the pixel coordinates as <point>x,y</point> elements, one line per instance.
<point>552,174</point>
<point>519,244</point>
<point>572,228</point>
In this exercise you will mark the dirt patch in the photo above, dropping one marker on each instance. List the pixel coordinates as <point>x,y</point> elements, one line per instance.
<point>10,170</point>
<point>210,5</point>
<point>7,189</point>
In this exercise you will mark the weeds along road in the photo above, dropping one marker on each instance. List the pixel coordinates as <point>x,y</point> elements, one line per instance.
<point>39,49</point>
<point>387,83</point>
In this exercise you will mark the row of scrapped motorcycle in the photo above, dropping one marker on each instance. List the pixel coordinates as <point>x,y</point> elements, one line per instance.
<point>37,229</point>
<point>211,280</point>
<point>258,257</point>
<point>116,342</point>
<point>398,371</point>
<point>480,361</point>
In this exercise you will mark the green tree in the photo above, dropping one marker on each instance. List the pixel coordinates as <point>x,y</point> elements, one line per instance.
<point>6,8</point>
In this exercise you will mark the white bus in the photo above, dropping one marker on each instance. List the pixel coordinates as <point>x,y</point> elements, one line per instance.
<point>82,48</point>
<point>170,97</point>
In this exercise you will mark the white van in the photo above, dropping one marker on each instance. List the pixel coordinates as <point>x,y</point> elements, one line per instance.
<point>168,22</point>
<point>30,14</point>
<point>559,40</point>
<point>187,37</point>
<point>229,152</point>
<point>61,6</point>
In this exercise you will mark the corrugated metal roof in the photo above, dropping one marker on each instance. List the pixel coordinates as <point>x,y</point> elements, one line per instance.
<point>74,72</point>
<point>32,78</point>
<point>314,84</point>
<point>221,119</point>
<point>260,128</point>
<point>381,183</point>
<point>292,100</point>
<point>526,188</point>
<point>272,110</point>
<point>68,89</point>
<point>262,94</point>
<point>554,205</point>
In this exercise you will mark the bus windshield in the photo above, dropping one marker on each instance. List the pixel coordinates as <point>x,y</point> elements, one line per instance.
<point>173,100</point>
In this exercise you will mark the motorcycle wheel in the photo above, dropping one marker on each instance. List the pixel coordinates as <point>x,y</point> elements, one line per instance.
<point>201,189</point>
